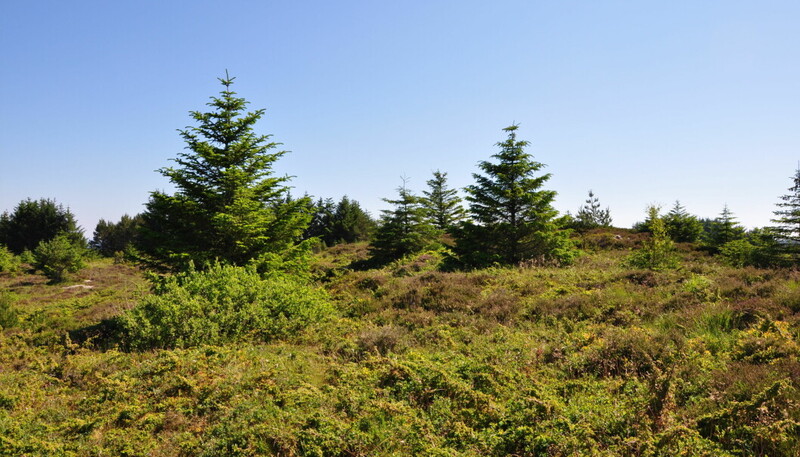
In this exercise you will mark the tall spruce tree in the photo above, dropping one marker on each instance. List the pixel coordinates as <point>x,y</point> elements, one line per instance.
<point>591,215</point>
<point>514,219</point>
<point>786,230</point>
<point>228,205</point>
<point>404,229</point>
<point>442,204</point>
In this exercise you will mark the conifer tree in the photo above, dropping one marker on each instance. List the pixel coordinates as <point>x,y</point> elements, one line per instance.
<point>723,229</point>
<point>442,204</point>
<point>110,237</point>
<point>404,229</point>
<point>787,222</point>
<point>658,252</point>
<point>591,215</point>
<point>35,221</point>
<point>342,222</point>
<point>350,222</point>
<point>228,205</point>
<point>681,226</point>
<point>514,219</point>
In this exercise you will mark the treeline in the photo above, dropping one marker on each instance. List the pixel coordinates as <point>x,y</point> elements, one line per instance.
<point>230,207</point>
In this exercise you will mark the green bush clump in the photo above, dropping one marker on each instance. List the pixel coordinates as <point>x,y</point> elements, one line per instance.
<point>657,253</point>
<point>756,252</point>
<point>222,304</point>
<point>8,314</point>
<point>9,263</point>
<point>769,341</point>
<point>58,257</point>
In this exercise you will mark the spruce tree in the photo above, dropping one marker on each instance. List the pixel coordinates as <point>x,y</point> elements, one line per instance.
<point>342,222</point>
<point>321,220</point>
<point>513,217</point>
<point>35,221</point>
<point>786,230</point>
<point>591,215</point>
<point>110,238</point>
<point>404,229</point>
<point>658,252</point>
<point>350,222</point>
<point>681,226</point>
<point>442,204</point>
<point>723,229</point>
<point>228,206</point>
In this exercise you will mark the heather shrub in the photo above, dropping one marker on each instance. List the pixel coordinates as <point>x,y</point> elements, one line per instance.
<point>380,340</point>
<point>762,425</point>
<point>222,304</point>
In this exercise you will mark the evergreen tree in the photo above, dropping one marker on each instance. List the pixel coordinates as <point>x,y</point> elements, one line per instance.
<point>722,230</point>
<point>591,215</point>
<point>110,237</point>
<point>351,223</point>
<point>404,229</point>
<point>514,219</point>
<point>34,221</point>
<point>321,220</point>
<point>786,230</point>
<point>342,222</point>
<point>658,252</point>
<point>228,205</point>
<point>443,205</point>
<point>681,226</point>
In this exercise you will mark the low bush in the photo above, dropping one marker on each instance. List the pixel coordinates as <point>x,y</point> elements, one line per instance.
<point>222,304</point>
<point>769,341</point>
<point>58,257</point>
<point>657,253</point>
<point>740,253</point>
<point>8,314</point>
<point>9,263</point>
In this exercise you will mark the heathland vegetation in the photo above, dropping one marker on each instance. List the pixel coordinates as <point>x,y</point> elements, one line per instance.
<point>232,318</point>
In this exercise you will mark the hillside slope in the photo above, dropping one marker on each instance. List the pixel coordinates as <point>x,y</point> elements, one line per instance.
<point>592,359</point>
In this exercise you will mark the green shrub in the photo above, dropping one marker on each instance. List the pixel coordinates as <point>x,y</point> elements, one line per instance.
<point>767,342</point>
<point>8,315</point>
<point>754,252</point>
<point>58,257</point>
<point>657,253</point>
<point>701,288</point>
<point>27,257</point>
<point>759,426</point>
<point>222,304</point>
<point>9,263</point>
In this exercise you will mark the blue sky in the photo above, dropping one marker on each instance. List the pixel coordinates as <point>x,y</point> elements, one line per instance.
<point>643,102</point>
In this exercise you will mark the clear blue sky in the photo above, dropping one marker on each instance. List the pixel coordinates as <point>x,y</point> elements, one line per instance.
<point>643,102</point>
